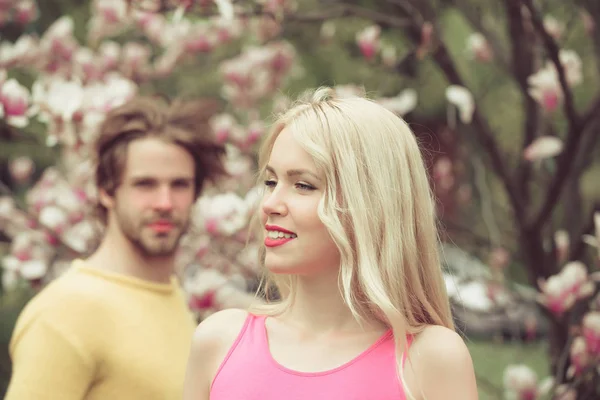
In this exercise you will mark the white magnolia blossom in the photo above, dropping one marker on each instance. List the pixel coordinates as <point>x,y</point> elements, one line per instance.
<point>223,214</point>
<point>543,147</point>
<point>402,104</point>
<point>478,48</point>
<point>21,169</point>
<point>462,99</point>
<point>554,27</point>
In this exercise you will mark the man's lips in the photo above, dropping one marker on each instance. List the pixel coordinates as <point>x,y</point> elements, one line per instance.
<point>162,226</point>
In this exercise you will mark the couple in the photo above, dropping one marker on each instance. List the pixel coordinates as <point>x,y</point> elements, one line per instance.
<point>350,249</point>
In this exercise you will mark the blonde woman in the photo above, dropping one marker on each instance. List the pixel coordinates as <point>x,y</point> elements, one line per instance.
<point>350,245</point>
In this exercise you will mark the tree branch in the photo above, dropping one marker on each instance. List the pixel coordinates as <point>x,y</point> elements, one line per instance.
<point>484,132</point>
<point>553,53</point>
<point>522,67</point>
<point>565,163</point>
<point>500,56</point>
<point>578,249</point>
<point>362,12</point>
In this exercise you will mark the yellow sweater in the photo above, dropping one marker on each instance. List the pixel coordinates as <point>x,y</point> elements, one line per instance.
<point>96,335</point>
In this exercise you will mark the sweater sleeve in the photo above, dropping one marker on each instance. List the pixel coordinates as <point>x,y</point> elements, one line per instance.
<point>48,363</point>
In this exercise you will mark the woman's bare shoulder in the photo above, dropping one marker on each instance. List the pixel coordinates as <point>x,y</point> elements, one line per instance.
<point>219,329</point>
<point>212,339</point>
<point>440,352</point>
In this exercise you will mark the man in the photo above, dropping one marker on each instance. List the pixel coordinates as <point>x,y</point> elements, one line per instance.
<point>116,325</point>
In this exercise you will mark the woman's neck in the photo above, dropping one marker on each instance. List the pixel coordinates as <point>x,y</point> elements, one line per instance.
<point>318,306</point>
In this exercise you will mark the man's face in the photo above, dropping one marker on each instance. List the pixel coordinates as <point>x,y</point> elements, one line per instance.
<point>152,204</point>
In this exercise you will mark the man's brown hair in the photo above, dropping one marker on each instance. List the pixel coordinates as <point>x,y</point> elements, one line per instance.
<point>181,122</point>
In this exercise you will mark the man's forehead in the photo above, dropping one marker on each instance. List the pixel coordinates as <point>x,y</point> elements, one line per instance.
<point>148,158</point>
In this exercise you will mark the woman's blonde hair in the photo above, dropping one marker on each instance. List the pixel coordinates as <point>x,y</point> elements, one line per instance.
<point>378,208</point>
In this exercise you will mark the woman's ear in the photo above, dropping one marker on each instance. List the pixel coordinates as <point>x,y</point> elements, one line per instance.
<point>106,200</point>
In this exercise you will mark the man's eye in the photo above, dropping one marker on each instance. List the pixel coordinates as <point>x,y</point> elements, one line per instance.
<point>143,184</point>
<point>182,185</point>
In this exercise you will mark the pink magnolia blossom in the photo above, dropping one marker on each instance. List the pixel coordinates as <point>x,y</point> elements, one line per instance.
<point>565,392</point>
<point>23,52</point>
<point>26,11</point>
<point>588,22</point>
<point>86,64</point>
<point>591,332</point>
<point>265,28</point>
<point>80,236</point>
<point>201,38</point>
<point>443,174</point>
<point>368,41</point>
<point>211,289</point>
<point>427,36</point>
<point>111,11</point>
<point>12,220</point>
<point>478,48</point>
<point>109,54</point>
<point>21,169</point>
<point>464,193</point>
<point>29,255</point>
<point>520,382</point>
<point>256,73</point>
<point>562,242</point>
<point>58,40</point>
<point>543,147</point>
<point>224,127</point>
<point>580,357</point>
<point>278,7</point>
<point>544,88</point>
<point>499,258</point>
<point>560,292</point>
<point>153,26</point>
<point>135,60</point>
<point>14,103</point>
<point>222,214</point>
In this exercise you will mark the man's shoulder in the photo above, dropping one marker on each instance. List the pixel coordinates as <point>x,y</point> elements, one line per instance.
<point>68,298</point>
<point>71,290</point>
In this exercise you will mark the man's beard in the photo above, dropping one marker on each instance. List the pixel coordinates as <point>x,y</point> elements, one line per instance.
<point>149,243</point>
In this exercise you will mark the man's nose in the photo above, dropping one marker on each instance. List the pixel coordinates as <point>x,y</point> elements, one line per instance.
<point>164,199</point>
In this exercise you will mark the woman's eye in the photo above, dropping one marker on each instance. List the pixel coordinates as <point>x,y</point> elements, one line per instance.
<point>270,183</point>
<point>304,186</point>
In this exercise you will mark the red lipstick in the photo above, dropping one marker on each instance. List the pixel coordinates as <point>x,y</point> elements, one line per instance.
<point>274,242</point>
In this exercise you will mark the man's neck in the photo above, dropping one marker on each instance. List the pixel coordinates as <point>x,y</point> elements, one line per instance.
<point>121,257</point>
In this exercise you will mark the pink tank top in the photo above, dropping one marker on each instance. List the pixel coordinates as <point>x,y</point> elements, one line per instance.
<point>249,372</point>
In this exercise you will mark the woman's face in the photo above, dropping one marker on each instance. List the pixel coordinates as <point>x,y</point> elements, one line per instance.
<point>296,240</point>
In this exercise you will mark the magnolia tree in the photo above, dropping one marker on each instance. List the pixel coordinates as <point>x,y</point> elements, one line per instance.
<point>515,74</point>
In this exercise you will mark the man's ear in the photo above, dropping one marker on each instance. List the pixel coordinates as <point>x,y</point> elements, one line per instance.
<point>106,199</point>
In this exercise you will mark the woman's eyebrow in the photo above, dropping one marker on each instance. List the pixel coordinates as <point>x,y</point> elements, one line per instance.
<point>295,172</point>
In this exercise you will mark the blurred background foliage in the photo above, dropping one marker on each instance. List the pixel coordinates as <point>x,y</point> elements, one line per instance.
<point>338,62</point>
